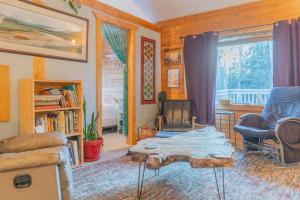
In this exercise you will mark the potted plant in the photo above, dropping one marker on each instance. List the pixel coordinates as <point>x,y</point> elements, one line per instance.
<point>92,142</point>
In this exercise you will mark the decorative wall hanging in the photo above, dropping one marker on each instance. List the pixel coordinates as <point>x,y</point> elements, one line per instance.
<point>172,56</point>
<point>148,71</point>
<point>173,78</point>
<point>74,5</point>
<point>33,29</point>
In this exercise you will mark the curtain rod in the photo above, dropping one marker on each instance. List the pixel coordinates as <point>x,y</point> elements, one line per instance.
<point>236,29</point>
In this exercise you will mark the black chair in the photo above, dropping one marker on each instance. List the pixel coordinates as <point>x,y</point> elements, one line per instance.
<point>177,116</point>
<point>277,130</point>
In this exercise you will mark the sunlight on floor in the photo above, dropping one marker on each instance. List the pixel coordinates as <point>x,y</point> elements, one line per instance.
<point>114,141</point>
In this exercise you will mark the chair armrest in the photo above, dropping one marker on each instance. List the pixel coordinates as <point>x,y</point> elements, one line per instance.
<point>287,126</point>
<point>32,142</point>
<point>287,120</point>
<point>288,134</point>
<point>194,121</point>
<point>250,120</point>
<point>160,122</point>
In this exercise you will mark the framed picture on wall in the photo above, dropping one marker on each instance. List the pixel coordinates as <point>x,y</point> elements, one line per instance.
<point>172,56</point>
<point>33,29</point>
<point>148,70</point>
<point>173,78</point>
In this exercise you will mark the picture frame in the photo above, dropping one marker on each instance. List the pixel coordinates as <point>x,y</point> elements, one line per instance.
<point>172,56</point>
<point>173,77</point>
<point>148,59</point>
<point>33,29</point>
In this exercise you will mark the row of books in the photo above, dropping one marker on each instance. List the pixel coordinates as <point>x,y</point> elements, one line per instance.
<point>73,147</point>
<point>66,121</point>
<point>51,98</point>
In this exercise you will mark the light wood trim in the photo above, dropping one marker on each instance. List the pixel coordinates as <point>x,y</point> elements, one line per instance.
<point>4,94</point>
<point>114,21</point>
<point>131,71</point>
<point>114,12</point>
<point>99,72</point>
<point>131,61</point>
<point>26,106</point>
<point>38,68</point>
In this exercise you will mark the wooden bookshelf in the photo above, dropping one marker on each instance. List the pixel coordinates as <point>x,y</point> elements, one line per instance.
<point>28,113</point>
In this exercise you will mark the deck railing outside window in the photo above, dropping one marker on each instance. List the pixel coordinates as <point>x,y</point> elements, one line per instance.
<point>244,96</point>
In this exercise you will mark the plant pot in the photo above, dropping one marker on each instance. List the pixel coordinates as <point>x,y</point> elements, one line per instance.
<point>92,150</point>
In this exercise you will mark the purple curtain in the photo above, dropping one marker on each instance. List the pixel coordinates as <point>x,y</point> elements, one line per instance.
<point>286,56</point>
<point>200,59</point>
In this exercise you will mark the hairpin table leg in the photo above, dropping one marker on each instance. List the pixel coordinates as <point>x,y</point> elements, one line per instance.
<point>141,180</point>
<point>217,183</point>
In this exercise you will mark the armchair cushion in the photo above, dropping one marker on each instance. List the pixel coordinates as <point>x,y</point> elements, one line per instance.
<point>32,142</point>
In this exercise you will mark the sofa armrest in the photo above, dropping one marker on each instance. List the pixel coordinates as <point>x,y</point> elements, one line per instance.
<point>30,159</point>
<point>250,120</point>
<point>32,142</point>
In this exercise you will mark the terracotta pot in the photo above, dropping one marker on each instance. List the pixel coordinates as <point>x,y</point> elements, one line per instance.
<point>92,150</point>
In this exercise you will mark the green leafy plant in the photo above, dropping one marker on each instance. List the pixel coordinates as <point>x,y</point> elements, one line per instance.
<point>74,5</point>
<point>90,129</point>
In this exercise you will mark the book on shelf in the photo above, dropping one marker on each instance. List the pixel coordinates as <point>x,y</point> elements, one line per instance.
<point>53,98</point>
<point>65,121</point>
<point>73,148</point>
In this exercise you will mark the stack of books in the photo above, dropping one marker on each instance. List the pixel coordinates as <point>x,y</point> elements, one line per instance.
<point>70,98</point>
<point>73,148</point>
<point>51,98</point>
<point>65,121</point>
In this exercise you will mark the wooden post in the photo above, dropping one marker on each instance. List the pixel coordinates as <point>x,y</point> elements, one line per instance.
<point>38,68</point>
<point>4,94</point>
<point>38,62</point>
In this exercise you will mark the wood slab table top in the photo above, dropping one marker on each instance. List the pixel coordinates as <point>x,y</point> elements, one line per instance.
<point>202,148</point>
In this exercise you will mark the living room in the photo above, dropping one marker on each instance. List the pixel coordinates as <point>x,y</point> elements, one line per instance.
<point>205,94</point>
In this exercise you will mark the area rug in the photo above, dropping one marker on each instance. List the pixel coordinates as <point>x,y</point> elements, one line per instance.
<point>254,177</point>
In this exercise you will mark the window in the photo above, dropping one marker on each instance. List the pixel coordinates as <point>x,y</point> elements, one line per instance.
<point>244,71</point>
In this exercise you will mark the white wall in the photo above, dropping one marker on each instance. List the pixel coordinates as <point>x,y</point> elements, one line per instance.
<point>147,112</point>
<point>21,67</point>
<point>128,6</point>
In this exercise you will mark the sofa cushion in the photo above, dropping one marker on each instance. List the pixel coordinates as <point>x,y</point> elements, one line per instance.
<point>32,142</point>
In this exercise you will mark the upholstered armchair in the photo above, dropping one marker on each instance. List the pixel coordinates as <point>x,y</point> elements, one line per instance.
<point>277,130</point>
<point>35,166</point>
<point>177,116</point>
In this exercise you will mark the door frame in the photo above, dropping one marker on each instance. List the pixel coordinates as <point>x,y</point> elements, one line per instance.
<point>131,70</point>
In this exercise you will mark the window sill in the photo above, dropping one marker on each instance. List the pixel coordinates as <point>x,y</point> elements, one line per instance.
<point>240,107</point>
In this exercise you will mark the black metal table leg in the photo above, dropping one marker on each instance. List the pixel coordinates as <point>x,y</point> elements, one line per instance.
<point>217,183</point>
<point>234,130</point>
<point>141,180</point>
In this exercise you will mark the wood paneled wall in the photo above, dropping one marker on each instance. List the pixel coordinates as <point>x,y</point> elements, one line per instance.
<point>247,15</point>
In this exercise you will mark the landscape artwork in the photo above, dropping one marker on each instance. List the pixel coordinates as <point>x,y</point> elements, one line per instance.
<point>172,56</point>
<point>27,28</point>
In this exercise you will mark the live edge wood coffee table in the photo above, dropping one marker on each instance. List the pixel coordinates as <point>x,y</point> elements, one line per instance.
<point>202,148</point>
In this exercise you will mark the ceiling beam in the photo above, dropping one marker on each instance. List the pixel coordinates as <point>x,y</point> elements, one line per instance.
<point>115,12</point>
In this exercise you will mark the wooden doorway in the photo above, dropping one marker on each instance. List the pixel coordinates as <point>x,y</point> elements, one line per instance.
<point>131,52</point>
